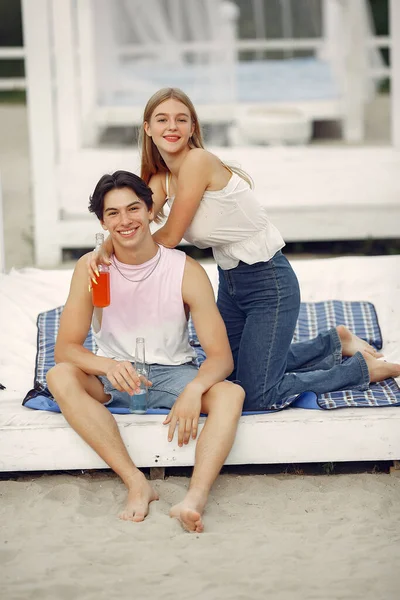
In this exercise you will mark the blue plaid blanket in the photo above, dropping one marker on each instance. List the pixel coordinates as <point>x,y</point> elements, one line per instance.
<point>314,317</point>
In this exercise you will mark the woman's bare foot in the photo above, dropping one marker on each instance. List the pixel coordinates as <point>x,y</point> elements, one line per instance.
<point>189,512</point>
<point>352,344</point>
<point>380,369</point>
<point>140,494</point>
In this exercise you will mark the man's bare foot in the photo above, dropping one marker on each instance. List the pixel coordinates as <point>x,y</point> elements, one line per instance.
<point>380,369</point>
<point>352,344</point>
<point>140,494</point>
<point>189,511</point>
<point>189,517</point>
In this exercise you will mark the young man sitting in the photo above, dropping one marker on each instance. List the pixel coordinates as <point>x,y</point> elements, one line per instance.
<point>152,291</point>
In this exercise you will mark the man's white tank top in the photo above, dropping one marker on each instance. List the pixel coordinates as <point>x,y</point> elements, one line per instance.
<point>234,224</point>
<point>146,301</point>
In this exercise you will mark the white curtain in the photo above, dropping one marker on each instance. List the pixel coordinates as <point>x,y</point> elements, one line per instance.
<point>143,45</point>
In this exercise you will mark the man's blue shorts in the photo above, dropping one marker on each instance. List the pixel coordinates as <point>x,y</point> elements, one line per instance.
<point>168,383</point>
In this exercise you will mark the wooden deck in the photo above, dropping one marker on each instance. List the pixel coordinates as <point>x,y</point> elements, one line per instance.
<point>294,435</point>
<point>40,440</point>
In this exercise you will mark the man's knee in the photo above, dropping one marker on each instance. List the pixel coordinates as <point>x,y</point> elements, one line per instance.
<point>60,374</point>
<point>228,397</point>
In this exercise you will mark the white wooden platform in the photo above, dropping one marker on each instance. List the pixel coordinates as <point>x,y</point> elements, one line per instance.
<point>41,440</point>
<point>295,435</point>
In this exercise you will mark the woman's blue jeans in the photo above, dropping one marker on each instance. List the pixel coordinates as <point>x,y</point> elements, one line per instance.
<point>260,305</point>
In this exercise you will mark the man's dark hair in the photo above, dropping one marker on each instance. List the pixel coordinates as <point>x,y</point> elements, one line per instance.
<point>119,180</point>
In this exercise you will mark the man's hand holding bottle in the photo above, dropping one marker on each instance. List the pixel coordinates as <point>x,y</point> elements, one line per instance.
<point>124,378</point>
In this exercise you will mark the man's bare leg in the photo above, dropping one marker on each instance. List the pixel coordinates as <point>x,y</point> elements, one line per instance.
<point>223,404</point>
<point>352,344</point>
<point>81,398</point>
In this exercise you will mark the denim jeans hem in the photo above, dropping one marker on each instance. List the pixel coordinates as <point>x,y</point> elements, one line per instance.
<point>337,346</point>
<point>364,371</point>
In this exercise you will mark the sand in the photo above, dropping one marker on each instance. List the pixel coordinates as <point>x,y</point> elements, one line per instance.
<point>276,536</point>
<point>266,536</point>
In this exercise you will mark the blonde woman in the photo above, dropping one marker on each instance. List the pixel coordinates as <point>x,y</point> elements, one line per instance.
<point>214,205</point>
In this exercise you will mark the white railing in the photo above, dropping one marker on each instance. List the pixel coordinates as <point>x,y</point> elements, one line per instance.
<point>10,52</point>
<point>134,50</point>
<point>12,83</point>
<point>252,45</point>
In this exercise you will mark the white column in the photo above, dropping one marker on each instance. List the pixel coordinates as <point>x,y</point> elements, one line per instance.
<point>87,77</point>
<point>36,27</point>
<point>394,30</point>
<point>331,17</point>
<point>66,79</point>
<point>356,70</point>
<point>229,15</point>
<point>106,50</point>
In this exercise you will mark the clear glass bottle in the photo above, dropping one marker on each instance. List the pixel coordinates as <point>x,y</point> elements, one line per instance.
<point>138,402</point>
<point>101,290</point>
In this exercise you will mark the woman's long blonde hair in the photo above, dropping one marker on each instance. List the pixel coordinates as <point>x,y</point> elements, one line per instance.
<point>151,160</point>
